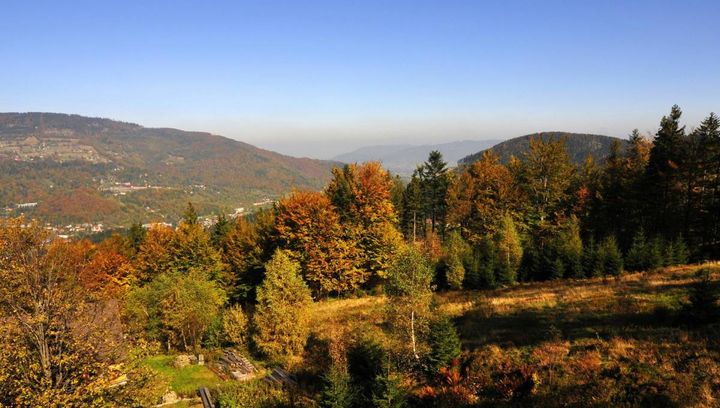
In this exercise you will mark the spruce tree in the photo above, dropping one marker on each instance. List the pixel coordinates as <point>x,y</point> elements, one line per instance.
<point>610,258</point>
<point>281,317</point>
<point>435,181</point>
<point>338,391</point>
<point>636,258</point>
<point>444,344</point>
<point>662,176</point>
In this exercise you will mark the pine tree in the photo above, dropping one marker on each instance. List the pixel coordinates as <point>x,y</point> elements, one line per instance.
<point>680,251</point>
<point>435,181</point>
<point>366,360</point>
<point>388,392</point>
<point>338,391</point>
<point>413,211</point>
<point>281,317</point>
<point>444,344</point>
<point>636,258</point>
<point>662,175</point>
<point>190,216</point>
<point>610,258</point>
<point>591,262</point>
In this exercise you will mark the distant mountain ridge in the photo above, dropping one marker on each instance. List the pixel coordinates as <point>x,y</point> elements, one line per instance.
<point>578,145</point>
<point>403,159</point>
<point>81,169</point>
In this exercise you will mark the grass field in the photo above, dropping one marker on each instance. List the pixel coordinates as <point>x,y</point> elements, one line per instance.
<point>622,341</point>
<point>184,381</point>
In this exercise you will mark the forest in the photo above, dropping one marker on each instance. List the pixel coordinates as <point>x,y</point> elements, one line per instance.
<point>536,282</point>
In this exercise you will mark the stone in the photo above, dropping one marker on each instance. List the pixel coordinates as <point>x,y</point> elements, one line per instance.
<point>182,360</point>
<point>201,359</point>
<point>170,398</point>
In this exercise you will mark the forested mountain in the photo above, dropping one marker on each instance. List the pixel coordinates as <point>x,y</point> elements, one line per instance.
<point>403,159</point>
<point>80,169</point>
<point>578,146</point>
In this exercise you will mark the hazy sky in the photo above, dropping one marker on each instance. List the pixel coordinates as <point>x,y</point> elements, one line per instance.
<point>320,78</point>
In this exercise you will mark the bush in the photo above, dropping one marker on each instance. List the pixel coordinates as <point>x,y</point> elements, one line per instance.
<point>250,394</point>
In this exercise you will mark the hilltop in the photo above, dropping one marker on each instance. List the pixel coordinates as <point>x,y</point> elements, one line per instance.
<point>404,159</point>
<point>579,146</point>
<point>82,169</point>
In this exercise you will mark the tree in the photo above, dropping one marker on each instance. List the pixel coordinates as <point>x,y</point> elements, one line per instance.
<point>55,343</point>
<point>235,326</point>
<point>444,344</point>
<point>281,317</point>
<point>610,258</point>
<point>434,180</point>
<point>153,255</point>
<point>366,360</point>
<point>409,295</point>
<point>545,176</point>
<point>509,251</point>
<point>362,194</point>
<point>308,224</point>
<point>175,308</point>
<point>457,252</point>
<point>480,197</point>
<point>338,391</point>
<point>662,175</point>
<point>636,258</point>
<point>412,219</point>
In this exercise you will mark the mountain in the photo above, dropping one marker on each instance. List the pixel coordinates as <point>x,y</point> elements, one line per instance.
<point>403,159</point>
<point>578,146</point>
<point>81,169</point>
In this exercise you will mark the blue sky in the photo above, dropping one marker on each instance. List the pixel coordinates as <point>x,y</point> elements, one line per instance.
<point>321,77</point>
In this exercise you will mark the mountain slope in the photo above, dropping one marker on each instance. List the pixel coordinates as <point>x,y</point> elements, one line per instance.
<point>403,159</point>
<point>578,146</point>
<point>81,169</point>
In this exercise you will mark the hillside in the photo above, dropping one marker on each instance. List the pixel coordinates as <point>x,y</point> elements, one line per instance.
<point>403,159</point>
<point>80,169</point>
<point>579,146</point>
<point>592,342</point>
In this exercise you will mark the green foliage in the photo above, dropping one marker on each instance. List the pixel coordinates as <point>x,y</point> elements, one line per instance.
<point>388,393</point>
<point>703,304</point>
<point>281,316</point>
<point>177,309</point>
<point>509,251</point>
<point>250,394</point>
<point>444,344</point>
<point>235,326</point>
<point>610,258</point>
<point>434,181</point>
<point>366,360</point>
<point>338,391</point>
<point>409,292</point>
<point>457,252</point>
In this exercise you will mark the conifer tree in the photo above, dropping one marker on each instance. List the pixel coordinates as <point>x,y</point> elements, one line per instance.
<point>637,256</point>
<point>444,344</point>
<point>435,180</point>
<point>662,175</point>
<point>281,317</point>
<point>610,257</point>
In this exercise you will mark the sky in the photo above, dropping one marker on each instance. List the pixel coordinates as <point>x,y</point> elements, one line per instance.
<point>319,78</point>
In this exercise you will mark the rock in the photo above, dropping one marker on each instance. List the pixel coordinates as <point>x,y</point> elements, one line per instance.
<point>182,360</point>
<point>201,359</point>
<point>170,398</point>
